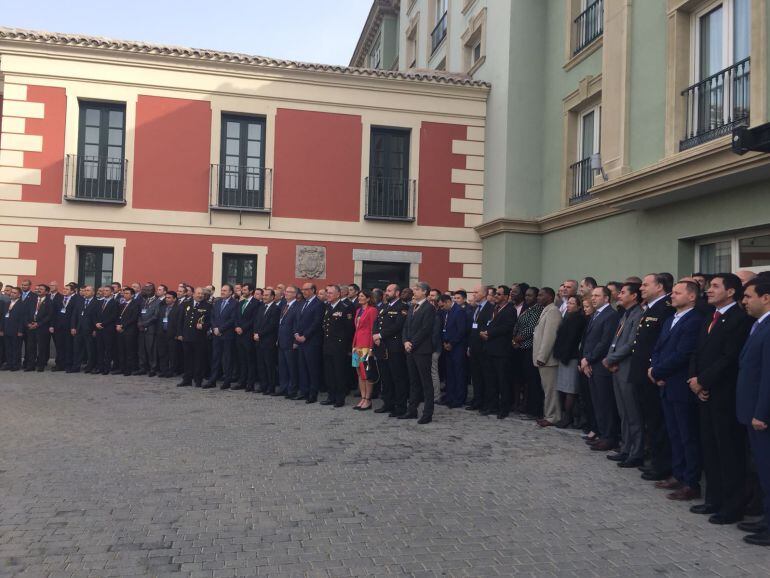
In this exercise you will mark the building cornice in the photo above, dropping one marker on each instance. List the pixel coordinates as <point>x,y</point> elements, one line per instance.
<point>372,26</point>
<point>27,38</point>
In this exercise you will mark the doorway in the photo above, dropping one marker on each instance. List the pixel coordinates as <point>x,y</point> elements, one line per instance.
<point>381,274</point>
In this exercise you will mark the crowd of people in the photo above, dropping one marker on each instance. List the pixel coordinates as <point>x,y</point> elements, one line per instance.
<point>670,377</point>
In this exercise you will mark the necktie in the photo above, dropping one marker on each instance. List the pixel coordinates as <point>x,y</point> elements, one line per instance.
<point>716,317</point>
<point>476,313</point>
<point>243,305</point>
<point>222,306</point>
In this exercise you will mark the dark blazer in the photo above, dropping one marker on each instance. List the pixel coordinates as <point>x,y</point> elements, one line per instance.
<point>598,335</point>
<point>63,320</point>
<point>245,319</point>
<point>29,305</point>
<point>107,314</point>
<point>191,316</point>
<point>568,336</point>
<point>715,361</point>
<point>418,328</point>
<point>474,340</point>
<point>438,328</point>
<point>390,326</point>
<point>671,356</point>
<point>84,316</point>
<point>16,319</point>
<point>128,316</point>
<point>174,314</point>
<point>223,317</point>
<point>308,323</point>
<point>753,388</point>
<point>44,315</point>
<point>338,328</point>
<point>500,331</point>
<point>647,334</point>
<point>286,323</point>
<point>456,327</point>
<point>266,324</point>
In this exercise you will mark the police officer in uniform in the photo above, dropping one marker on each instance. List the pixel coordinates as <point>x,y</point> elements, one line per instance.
<point>193,332</point>
<point>338,341</point>
<point>389,351</point>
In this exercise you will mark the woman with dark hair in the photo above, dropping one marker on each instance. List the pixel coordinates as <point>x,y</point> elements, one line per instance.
<point>362,345</point>
<point>567,350</point>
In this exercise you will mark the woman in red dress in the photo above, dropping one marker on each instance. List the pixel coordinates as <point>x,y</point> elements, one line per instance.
<point>362,345</point>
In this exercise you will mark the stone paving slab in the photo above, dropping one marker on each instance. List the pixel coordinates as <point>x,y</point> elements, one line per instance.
<point>134,477</point>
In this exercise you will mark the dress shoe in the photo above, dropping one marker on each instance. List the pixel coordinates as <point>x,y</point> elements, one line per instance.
<point>632,463</point>
<point>184,384</point>
<point>250,388</point>
<point>40,369</point>
<point>425,419</point>
<point>139,372</point>
<point>73,371</point>
<point>472,407</point>
<point>311,399</point>
<point>206,386</point>
<point>394,414</point>
<point>408,416</point>
<point>654,476</point>
<point>29,369</point>
<point>603,446</point>
<point>760,539</point>
<point>617,457</point>
<point>684,494</point>
<point>116,372</point>
<point>668,484</point>
<point>339,404</point>
<point>235,387</point>
<point>210,384</point>
<point>705,509</point>
<point>501,415</point>
<point>275,393</point>
<point>753,527</point>
<point>152,374</point>
<point>383,409</point>
<point>543,423</point>
<point>223,386</point>
<point>57,368</point>
<point>105,372</point>
<point>327,401</point>
<point>723,520</point>
<point>485,412</point>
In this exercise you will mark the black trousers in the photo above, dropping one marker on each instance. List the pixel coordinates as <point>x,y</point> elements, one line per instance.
<point>394,379</point>
<point>167,352</point>
<point>194,361</point>
<point>30,348</point>
<point>247,360</point>
<point>221,359</point>
<point>13,345</point>
<point>105,349</point>
<point>43,346</point>
<point>498,384</point>
<point>178,358</point>
<point>85,350</point>
<point>534,388</point>
<point>148,355</point>
<point>605,407</point>
<point>127,354</point>
<point>655,426</point>
<point>65,347</point>
<point>518,378</point>
<point>420,383</point>
<point>723,441</point>
<point>267,364</point>
<point>477,377</point>
<point>336,374</point>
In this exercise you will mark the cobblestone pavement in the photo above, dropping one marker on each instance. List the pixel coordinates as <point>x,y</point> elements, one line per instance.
<point>131,476</point>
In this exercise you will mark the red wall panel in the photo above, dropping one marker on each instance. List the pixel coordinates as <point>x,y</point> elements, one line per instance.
<point>436,164</point>
<point>51,160</point>
<point>317,165</point>
<point>172,153</point>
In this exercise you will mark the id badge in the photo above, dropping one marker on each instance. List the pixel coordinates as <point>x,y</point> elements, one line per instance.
<point>63,310</point>
<point>144,311</point>
<point>475,326</point>
<point>165,320</point>
<point>8,315</point>
<point>489,323</point>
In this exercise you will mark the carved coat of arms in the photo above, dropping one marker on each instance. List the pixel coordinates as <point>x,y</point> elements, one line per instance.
<point>311,262</point>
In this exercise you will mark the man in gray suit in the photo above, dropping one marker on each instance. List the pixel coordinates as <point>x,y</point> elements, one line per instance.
<point>596,343</point>
<point>149,320</point>
<point>544,339</point>
<point>618,362</point>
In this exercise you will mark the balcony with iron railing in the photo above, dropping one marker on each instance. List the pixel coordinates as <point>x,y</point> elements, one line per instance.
<point>582,181</point>
<point>240,188</point>
<point>439,33</point>
<point>717,104</point>
<point>99,179</point>
<point>589,25</point>
<point>390,199</point>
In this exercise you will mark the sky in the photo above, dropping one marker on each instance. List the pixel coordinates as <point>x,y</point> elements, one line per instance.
<point>321,31</point>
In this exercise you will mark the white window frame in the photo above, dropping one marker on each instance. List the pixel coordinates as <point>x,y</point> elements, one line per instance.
<point>440,7</point>
<point>597,110</point>
<point>734,249</point>
<point>375,56</point>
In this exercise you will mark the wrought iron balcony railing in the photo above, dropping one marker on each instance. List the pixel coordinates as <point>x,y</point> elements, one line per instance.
<point>240,188</point>
<point>589,25</point>
<point>582,181</point>
<point>438,34</point>
<point>390,199</point>
<point>717,104</point>
<point>95,178</point>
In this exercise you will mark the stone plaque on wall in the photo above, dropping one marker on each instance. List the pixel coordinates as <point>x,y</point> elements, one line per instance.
<point>310,262</point>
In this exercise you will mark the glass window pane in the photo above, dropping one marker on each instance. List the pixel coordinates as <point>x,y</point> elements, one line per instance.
<point>231,162</point>
<point>254,148</point>
<point>232,267</point>
<point>741,30</point>
<point>93,116</point>
<point>233,130</point>
<point>116,119</point>
<point>715,257</point>
<point>91,151</point>
<point>711,43</point>
<point>248,268</point>
<point>114,152</point>
<point>754,251</point>
<point>587,142</point>
<point>115,137</point>
<point>255,131</point>
<point>232,147</point>
<point>92,135</point>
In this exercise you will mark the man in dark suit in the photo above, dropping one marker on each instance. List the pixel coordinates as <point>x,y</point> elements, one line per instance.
<point>246,313</point>
<point>223,314</point>
<point>713,375</point>
<point>106,319</point>
<point>28,300</point>
<point>147,327</point>
<point>39,317</point>
<point>64,311</point>
<point>309,339</point>
<point>194,325</point>
<point>482,313</point>
<point>753,398</point>
<point>389,351</point>
<point>417,339</point>
<point>12,327</point>
<point>127,334</point>
<point>84,331</point>
<point>498,351</point>
<point>455,342</point>
<point>169,315</point>
<point>596,343</point>
<point>655,288</point>
<point>266,336</point>
<point>337,345</point>
<point>669,371</point>
<point>287,346</point>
